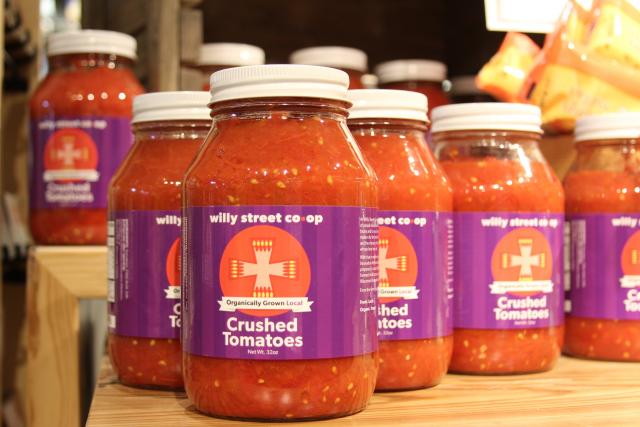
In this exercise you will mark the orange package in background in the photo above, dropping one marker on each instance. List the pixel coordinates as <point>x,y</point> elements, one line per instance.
<point>504,75</point>
<point>616,31</point>
<point>584,67</point>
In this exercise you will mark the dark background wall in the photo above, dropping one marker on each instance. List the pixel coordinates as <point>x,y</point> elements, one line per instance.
<point>452,31</point>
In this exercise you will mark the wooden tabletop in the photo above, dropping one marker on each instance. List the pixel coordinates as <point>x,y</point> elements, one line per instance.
<point>576,393</point>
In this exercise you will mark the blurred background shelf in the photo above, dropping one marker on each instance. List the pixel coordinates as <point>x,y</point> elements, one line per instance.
<point>577,392</point>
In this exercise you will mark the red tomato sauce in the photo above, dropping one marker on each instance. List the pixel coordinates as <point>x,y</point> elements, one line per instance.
<point>279,154</point>
<point>154,169</point>
<point>603,191</point>
<point>409,178</point>
<point>490,184</point>
<point>80,85</point>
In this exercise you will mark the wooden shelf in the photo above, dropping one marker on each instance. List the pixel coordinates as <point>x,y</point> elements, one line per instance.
<point>66,325</point>
<point>577,392</point>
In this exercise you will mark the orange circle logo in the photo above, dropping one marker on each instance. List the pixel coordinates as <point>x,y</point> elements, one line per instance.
<point>173,264</point>
<point>398,263</point>
<point>264,262</point>
<point>522,255</point>
<point>70,149</point>
<point>630,256</point>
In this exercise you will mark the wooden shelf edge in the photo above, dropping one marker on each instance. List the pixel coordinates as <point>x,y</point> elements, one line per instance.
<point>81,270</point>
<point>577,392</point>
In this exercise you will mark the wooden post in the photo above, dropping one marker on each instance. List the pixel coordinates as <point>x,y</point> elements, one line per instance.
<point>59,278</point>
<point>163,45</point>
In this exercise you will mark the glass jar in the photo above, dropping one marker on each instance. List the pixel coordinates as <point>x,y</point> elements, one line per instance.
<point>418,75</point>
<point>218,56</point>
<point>509,219</point>
<point>351,61</point>
<point>80,132</point>
<point>603,210</point>
<point>279,307</point>
<point>416,231</point>
<point>144,238</point>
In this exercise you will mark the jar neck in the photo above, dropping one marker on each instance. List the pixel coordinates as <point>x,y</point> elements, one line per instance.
<point>501,144</point>
<point>79,61</point>
<point>171,130</point>
<point>608,143</point>
<point>386,125</point>
<point>261,108</point>
<point>610,155</point>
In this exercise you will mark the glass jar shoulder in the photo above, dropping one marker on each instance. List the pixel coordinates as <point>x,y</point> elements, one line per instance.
<point>408,176</point>
<point>280,159</point>
<point>605,178</point>
<point>491,184</point>
<point>96,91</point>
<point>151,174</point>
<point>499,172</point>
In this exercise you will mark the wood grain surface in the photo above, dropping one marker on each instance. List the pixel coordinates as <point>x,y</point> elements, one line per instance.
<point>576,393</point>
<point>57,279</point>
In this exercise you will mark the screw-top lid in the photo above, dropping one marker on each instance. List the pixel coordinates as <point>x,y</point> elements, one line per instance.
<point>234,54</point>
<point>166,106</point>
<point>608,126</point>
<point>411,70</point>
<point>387,104</point>
<point>267,81</point>
<point>486,116</point>
<point>92,41</point>
<point>331,56</point>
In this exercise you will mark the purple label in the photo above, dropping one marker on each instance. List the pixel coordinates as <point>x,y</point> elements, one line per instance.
<point>280,282</point>
<point>508,270</point>
<point>605,266</point>
<point>73,159</point>
<point>415,275</point>
<point>144,273</point>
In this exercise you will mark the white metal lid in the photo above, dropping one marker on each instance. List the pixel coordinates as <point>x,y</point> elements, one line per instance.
<point>282,80</point>
<point>331,56</point>
<point>486,116</point>
<point>411,69</point>
<point>236,54</point>
<point>92,41</point>
<point>388,104</point>
<point>608,126</point>
<point>165,106</point>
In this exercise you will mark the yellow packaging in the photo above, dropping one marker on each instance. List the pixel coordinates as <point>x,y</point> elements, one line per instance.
<point>504,75</point>
<point>564,93</point>
<point>616,32</point>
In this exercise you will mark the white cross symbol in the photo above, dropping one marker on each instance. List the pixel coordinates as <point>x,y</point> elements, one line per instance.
<point>68,154</point>
<point>263,269</point>
<point>525,260</point>
<point>396,263</point>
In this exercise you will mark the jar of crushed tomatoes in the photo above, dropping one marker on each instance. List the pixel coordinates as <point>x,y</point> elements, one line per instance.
<point>603,212</point>
<point>218,56</point>
<point>419,75</point>
<point>281,251</point>
<point>508,238</point>
<point>144,238</point>
<point>80,132</point>
<point>350,60</point>
<point>416,235</point>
